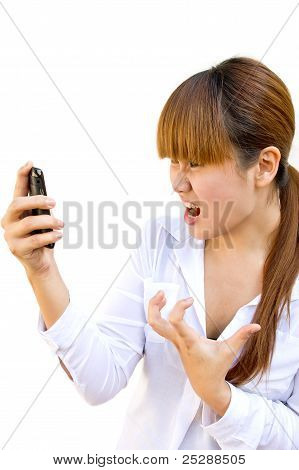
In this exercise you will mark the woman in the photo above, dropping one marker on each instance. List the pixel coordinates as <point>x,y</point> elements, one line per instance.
<point>220,370</point>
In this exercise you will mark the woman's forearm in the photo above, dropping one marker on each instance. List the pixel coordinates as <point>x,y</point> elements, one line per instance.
<point>51,293</point>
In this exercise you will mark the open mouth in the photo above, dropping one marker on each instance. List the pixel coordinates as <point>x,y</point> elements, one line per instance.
<point>191,215</point>
<point>193,211</point>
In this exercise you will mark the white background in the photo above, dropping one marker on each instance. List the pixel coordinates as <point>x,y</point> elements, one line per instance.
<point>79,81</point>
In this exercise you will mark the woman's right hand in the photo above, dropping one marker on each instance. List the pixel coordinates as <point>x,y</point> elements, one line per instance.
<point>18,223</point>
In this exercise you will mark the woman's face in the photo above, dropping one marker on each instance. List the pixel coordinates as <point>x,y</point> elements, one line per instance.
<point>226,200</point>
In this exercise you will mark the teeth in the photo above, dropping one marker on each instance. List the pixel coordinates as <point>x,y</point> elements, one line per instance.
<point>190,205</point>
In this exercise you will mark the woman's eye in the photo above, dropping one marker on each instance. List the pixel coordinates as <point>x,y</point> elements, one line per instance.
<point>174,161</point>
<point>193,165</point>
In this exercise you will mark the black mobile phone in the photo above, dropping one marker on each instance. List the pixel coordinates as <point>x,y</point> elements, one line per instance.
<point>37,185</point>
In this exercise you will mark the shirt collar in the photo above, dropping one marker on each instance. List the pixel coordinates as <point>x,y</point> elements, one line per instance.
<point>178,229</point>
<point>176,226</point>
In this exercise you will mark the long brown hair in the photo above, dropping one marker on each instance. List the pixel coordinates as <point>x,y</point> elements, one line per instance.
<point>231,112</point>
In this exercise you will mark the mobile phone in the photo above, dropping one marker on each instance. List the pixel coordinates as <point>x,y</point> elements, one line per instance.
<point>37,185</point>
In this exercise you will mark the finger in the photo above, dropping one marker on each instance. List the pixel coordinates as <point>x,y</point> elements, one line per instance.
<point>23,203</point>
<point>176,318</point>
<point>155,320</point>
<point>30,223</point>
<point>156,303</point>
<point>238,339</point>
<point>24,246</point>
<point>21,185</point>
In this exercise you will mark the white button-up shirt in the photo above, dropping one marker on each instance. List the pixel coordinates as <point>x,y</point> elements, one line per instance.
<point>165,412</point>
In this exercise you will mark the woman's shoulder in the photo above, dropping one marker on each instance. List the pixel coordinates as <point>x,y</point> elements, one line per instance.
<point>295,293</point>
<point>294,313</point>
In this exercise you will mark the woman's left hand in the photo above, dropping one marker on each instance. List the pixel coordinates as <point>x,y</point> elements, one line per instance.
<point>205,361</point>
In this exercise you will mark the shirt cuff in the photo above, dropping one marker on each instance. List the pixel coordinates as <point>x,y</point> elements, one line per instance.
<point>61,335</point>
<point>230,423</point>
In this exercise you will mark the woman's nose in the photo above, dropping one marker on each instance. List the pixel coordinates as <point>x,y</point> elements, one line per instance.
<point>181,182</point>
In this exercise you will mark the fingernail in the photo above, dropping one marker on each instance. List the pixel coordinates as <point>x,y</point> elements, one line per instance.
<point>159,292</point>
<point>50,201</point>
<point>189,299</point>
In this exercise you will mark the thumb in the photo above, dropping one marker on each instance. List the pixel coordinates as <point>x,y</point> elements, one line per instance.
<point>238,339</point>
<point>21,185</point>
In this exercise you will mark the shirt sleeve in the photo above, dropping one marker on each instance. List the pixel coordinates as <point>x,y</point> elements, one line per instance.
<point>102,354</point>
<point>251,421</point>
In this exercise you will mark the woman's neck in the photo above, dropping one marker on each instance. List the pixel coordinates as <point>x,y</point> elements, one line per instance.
<point>254,236</point>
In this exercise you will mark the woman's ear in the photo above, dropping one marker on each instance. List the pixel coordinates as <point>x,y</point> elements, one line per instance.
<point>267,166</point>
